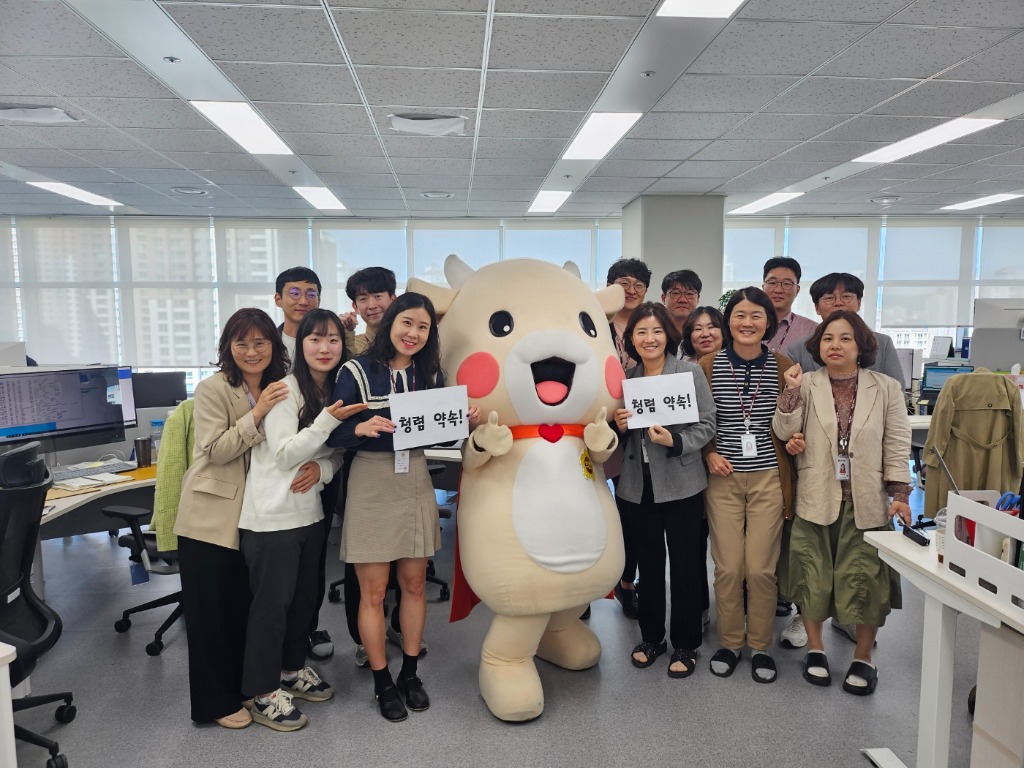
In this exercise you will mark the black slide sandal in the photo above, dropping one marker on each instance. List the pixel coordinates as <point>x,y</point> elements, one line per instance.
<point>817,659</point>
<point>685,657</point>
<point>864,671</point>
<point>760,661</point>
<point>725,656</point>
<point>650,651</point>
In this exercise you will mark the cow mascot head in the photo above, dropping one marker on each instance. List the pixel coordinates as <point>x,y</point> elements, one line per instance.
<point>538,532</point>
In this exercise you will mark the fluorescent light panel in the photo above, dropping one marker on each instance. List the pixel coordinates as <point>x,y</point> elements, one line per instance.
<point>548,201</point>
<point>933,137</point>
<point>699,9</point>
<point>321,198</point>
<point>776,198</point>
<point>240,121</point>
<point>73,192</point>
<point>600,132</point>
<point>978,202</point>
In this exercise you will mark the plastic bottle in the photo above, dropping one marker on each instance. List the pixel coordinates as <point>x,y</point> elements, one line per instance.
<point>156,427</point>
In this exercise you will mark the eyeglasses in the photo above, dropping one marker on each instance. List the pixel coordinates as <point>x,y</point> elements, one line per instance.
<point>260,345</point>
<point>296,293</point>
<point>634,286</point>
<point>675,294</point>
<point>789,285</point>
<point>830,298</point>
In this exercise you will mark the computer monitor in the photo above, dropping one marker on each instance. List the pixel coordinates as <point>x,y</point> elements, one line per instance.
<point>124,377</point>
<point>935,376</point>
<point>162,389</point>
<point>910,362</point>
<point>65,408</point>
<point>12,353</point>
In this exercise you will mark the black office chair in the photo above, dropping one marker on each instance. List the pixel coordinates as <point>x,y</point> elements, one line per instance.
<point>143,550</point>
<point>26,622</point>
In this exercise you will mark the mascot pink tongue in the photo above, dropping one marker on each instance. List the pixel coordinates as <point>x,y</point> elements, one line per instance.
<point>538,531</point>
<point>552,392</point>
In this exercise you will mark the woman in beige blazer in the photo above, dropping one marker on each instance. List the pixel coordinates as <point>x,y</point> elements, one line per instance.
<point>848,428</point>
<point>229,411</point>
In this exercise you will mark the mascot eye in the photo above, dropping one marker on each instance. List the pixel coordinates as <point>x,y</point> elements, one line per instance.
<point>588,325</point>
<point>501,324</point>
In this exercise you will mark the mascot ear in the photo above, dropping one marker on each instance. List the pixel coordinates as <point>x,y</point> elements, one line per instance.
<point>439,296</point>
<point>457,271</point>
<point>611,299</point>
<point>572,268</point>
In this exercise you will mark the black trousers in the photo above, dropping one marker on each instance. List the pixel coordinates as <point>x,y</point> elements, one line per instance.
<point>215,596</point>
<point>675,526</point>
<point>629,570</point>
<point>283,569</point>
<point>329,499</point>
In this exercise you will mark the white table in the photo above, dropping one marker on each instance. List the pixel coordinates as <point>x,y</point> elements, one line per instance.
<point>946,595</point>
<point>7,755</point>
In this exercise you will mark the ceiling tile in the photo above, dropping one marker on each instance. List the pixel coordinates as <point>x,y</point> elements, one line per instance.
<point>925,186</point>
<point>434,88</point>
<point>434,182</point>
<point>522,166</point>
<point>783,127</point>
<point>55,27</point>
<point>539,124</point>
<point>995,187</point>
<point>785,173</point>
<point>173,140</point>
<point>72,137</point>
<point>342,145</point>
<point>164,177</point>
<point>903,171</point>
<point>887,128</point>
<point>344,180</point>
<point>368,193</point>
<point>436,166</point>
<point>503,149</point>
<point>961,153</point>
<point>1015,157</point>
<point>314,83</point>
<point>977,13</point>
<point>567,44</point>
<point>397,38</point>
<point>654,149</point>
<point>903,51</point>
<point>124,159</point>
<point>971,172</point>
<point>821,10</point>
<point>614,198</point>
<point>311,118</point>
<point>835,152</point>
<point>44,158</point>
<point>503,195</point>
<point>275,191</point>
<point>613,184</point>
<point>695,169</point>
<point>722,93</point>
<point>1008,132</point>
<point>685,125</point>
<point>73,174</point>
<point>942,98</point>
<point>682,186</point>
<point>511,182</point>
<point>244,33</point>
<point>1003,62</point>
<point>775,48</point>
<point>74,78</point>
<point>578,7</point>
<point>542,90</point>
<point>479,6</point>
<point>646,168</point>
<point>435,146</point>
<point>146,113</point>
<point>241,177</point>
<point>837,95</point>
<point>14,85</point>
<point>347,164</point>
<point>215,161</point>
<point>743,150</point>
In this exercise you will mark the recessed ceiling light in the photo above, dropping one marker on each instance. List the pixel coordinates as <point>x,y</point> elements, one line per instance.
<point>436,195</point>
<point>73,192</point>
<point>978,202</point>
<point>933,137</point>
<point>189,191</point>
<point>600,132</point>
<point>548,201</point>
<point>767,201</point>
<point>240,121</point>
<point>321,198</point>
<point>700,9</point>
<point>885,199</point>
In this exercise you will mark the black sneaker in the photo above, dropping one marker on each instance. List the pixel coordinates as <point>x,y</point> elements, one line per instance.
<point>415,697</point>
<point>320,647</point>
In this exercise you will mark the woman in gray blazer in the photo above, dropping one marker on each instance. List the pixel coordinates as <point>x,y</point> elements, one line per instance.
<point>660,493</point>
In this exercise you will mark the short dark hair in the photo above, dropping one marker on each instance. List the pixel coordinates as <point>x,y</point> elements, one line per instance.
<point>630,268</point>
<point>658,312</point>
<point>371,280</point>
<point>240,325</point>
<point>785,263</point>
<point>428,359</point>
<point>757,296</point>
<point>297,275</point>
<point>685,277</point>
<point>716,320</point>
<point>867,345</point>
<point>833,280</point>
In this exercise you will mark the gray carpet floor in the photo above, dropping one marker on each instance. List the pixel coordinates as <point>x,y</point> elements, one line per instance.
<point>133,709</point>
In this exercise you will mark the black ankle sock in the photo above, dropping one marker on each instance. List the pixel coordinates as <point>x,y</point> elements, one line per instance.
<point>382,680</point>
<point>408,666</point>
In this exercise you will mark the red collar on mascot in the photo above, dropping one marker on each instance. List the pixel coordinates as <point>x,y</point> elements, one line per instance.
<point>550,432</point>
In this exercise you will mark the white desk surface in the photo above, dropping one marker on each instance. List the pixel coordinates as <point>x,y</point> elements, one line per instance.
<point>919,422</point>
<point>59,507</point>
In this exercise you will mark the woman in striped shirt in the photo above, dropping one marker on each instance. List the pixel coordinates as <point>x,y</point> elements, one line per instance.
<point>750,485</point>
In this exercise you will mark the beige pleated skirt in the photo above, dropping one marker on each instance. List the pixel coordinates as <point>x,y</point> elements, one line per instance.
<point>387,515</point>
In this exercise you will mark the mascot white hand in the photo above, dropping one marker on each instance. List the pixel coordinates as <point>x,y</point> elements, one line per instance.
<point>599,438</point>
<point>492,438</point>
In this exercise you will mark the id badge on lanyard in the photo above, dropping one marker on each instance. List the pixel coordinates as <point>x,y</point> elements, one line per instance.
<point>748,443</point>
<point>401,462</point>
<point>842,468</point>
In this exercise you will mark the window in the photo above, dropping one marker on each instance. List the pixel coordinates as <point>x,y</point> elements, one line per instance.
<point>8,293</point>
<point>555,245</point>
<point>476,247</point>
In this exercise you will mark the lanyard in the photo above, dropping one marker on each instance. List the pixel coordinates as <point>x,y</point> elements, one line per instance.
<point>739,393</point>
<point>394,379</point>
<point>248,394</point>
<point>789,326</point>
<point>844,434</point>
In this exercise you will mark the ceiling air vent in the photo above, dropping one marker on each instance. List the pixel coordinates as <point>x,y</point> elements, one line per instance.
<point>429,125</point>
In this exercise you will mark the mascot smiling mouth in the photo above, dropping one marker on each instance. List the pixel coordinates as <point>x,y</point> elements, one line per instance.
<point>552,378</point>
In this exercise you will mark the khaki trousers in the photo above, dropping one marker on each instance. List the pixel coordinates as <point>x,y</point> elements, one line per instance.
<point>744,512</point>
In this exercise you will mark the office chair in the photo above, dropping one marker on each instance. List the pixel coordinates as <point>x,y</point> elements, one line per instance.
<point>26,622</point>
<point>146,548</point>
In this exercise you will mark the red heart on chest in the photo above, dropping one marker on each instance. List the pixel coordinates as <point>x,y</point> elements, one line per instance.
<point>551,432</point>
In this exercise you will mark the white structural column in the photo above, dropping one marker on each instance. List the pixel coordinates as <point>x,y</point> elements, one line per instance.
<point>672,232</point>
<point>7,756</point>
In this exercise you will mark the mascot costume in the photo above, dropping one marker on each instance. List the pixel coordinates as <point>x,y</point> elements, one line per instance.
<point>538,531</point>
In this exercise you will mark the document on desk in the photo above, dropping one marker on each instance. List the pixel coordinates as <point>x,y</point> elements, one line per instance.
<point>90,481</point>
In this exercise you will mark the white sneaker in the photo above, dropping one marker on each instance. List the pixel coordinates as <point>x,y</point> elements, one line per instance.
<point>850,630</point>
<point>395,638</point>
<point>307,685</point>
<point>279,713</point>
<point>362,660</point>
<point>795,635</point>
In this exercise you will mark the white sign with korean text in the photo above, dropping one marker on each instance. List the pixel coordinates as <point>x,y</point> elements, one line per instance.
<point>430,416</point>
<point>660,400</point>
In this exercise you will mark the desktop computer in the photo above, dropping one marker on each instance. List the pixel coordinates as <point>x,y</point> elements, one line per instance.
<point>935,376</point>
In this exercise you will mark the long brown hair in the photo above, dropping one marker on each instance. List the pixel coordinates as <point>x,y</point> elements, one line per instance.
<point>240,325</point>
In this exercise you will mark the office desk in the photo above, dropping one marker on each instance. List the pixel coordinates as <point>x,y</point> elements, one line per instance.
<point>945,596</point>
<point>919,426</point>
<point>7,755</point>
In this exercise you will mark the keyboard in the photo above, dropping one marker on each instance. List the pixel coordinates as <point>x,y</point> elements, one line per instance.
<point>66,473</point>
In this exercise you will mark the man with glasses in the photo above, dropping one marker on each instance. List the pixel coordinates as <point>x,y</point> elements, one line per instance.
<point>782,284</point>
<point>298,291</point>
<point>680,293</point>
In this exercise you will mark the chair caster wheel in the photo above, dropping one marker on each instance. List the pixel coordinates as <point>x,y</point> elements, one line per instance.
<point>65,713</point>
<point>57,761</point>
<point>123,625</point>
<point>154,648</point>
<point>334,595</point>
<point>446,594</point>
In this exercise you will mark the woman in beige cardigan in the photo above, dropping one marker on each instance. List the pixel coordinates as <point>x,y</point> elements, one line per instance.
<point>229,411</point>
<point>848,428</point>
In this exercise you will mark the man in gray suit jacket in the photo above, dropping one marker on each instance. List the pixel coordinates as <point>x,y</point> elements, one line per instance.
<point>841,290</point>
